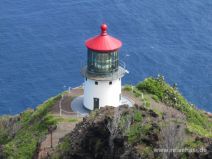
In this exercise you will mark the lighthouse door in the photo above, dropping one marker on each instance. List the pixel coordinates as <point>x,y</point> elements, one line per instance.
<point>96,103</point>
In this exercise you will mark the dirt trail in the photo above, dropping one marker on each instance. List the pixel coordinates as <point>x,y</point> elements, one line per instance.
<point>62,129</point>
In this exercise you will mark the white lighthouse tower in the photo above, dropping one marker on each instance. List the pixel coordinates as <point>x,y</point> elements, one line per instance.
<point>103,73</point>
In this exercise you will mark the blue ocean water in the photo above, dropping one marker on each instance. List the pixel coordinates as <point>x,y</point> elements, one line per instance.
<point>42,45</point>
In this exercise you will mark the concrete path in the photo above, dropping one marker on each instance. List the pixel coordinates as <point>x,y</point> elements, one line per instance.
<point>77,106</point>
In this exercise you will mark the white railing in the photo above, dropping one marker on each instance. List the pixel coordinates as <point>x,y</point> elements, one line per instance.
<point>122,64</point>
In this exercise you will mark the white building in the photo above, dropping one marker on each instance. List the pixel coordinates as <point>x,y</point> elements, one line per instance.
<point>103,73</point>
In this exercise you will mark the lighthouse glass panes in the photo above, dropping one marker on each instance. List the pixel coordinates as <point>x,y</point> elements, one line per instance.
<point>102,63</point>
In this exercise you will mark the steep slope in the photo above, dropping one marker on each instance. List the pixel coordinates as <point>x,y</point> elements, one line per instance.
<point>162,122</point>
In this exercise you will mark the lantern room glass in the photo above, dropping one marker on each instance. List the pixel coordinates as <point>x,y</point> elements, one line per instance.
<point>102,63</point>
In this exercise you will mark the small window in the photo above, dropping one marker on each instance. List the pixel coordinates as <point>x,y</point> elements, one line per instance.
<point>120,96</point>
<point>110,83</point>
<point>96,83</point>
<point>86,78</point>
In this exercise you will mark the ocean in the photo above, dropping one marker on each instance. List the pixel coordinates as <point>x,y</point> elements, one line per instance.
<point>42,45</point>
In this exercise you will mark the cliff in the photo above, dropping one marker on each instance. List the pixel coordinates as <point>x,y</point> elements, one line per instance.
<point>162,121</point>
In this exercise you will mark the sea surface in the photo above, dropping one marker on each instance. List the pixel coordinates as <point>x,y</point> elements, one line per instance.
<point>42,45</point>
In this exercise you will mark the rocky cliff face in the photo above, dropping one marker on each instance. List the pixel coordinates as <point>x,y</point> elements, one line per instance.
<point>91,139</point>
<point>136,136</point>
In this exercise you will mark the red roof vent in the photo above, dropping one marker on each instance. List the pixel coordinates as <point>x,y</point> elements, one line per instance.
<point>103,42</point>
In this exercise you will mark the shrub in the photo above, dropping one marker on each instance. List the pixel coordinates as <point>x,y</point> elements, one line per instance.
<point>136,92</point>
<point>137,116</point>
<point>155,98</point>
<point>193,144</point>
<point>152,86</point>
<point>128,88</point>
<point>134,133</point>
<point>198,121</point>
<point>146,102</point>
<point>25,116</point>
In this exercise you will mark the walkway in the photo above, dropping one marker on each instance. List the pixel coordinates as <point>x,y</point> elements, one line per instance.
<point>64,127</point>
<point>61,131</point>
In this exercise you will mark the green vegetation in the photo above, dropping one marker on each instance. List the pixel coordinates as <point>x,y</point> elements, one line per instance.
<point>63,148</point>
<point>155,98</point>
<point>134,133</point>
<point>158,112</point>
<point>136,92</point>
<point>147,102</point>
<point>137,116</point>
<point>138,129</point>
<point>198,122</point>
<point>193,144</point>
<point>4,130</point>
<point>33,126</point>
<point>128,87</point>
<point>93,114</point>
<point>147,152</point>
<point>57,119</point>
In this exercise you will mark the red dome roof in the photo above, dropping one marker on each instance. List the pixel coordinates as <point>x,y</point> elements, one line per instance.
<point>103,42</point>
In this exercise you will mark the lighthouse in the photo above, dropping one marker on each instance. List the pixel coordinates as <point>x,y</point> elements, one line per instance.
<point>103,72</point>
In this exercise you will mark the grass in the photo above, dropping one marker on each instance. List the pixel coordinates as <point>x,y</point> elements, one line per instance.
<point>4,129</point>
<point>198,122</point>
<point>137,116</point>
<point>155,98</point>
<point>63,119</point>
<point>136,92</point>
<point>137,130</point>
<point>128,87</point>
<point>193,144</point>
<point>62,149</point>
<point>134,133</point>
<point>34,128</point>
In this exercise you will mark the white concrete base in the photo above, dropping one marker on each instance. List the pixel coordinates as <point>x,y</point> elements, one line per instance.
<point>77,104</point>
<point>104,92</point>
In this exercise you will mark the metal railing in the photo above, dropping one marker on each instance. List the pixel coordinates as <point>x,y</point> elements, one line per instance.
<point>110,75</point>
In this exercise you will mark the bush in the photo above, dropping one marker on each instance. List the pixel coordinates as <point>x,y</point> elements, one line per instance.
<point>128,88</point>
<point>137,116</point>
<point>153,86</point>
<point>146,102</point>
<point>134,133</point>
<point>155,98</point>
<point>193,144</point>
<point>162,91</point>
<point>136,92</point>
<point>137,131</point>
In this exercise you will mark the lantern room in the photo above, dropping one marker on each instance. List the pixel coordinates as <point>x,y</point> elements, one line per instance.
<point>102,63</point>
<point>102,53</point>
